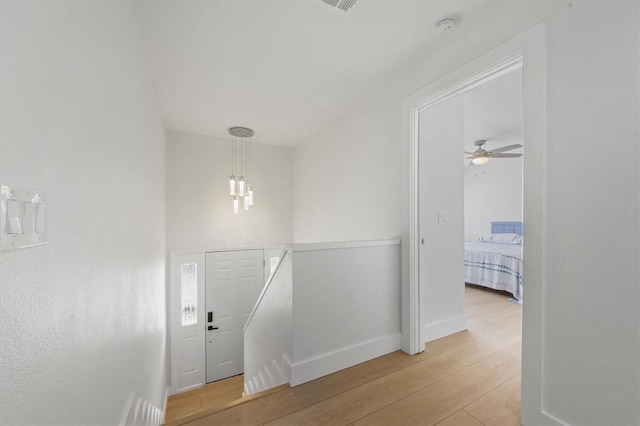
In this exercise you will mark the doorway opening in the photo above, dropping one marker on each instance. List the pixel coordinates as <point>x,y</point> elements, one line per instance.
<point>467,211</point>
<point>493,190</point>
<point>436,235</point>
<point>527,52</point>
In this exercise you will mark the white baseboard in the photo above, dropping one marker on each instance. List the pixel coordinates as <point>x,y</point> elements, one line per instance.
<point>127,409</point>
<point>142,412</point>
<point>164,406</point>
<point>444,328</point>
<point>550,419</point>
<point>322,365</point>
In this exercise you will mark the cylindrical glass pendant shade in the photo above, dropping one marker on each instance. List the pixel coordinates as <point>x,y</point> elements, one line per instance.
<point>241,186</point>
<point>246,203</point>
<point>250,195</point>
<point>235,205</point>
<point>232,185</point>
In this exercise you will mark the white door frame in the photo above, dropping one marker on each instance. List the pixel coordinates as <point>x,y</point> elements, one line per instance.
<point>174,313</point>
<point>478,78</point>
<point>527,50</point>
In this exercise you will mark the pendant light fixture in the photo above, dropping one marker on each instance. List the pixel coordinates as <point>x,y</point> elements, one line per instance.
<point>241,186</point>
<point>232,178</point>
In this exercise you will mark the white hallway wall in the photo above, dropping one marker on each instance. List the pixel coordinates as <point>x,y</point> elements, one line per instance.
<point>199,207</point>
<point>592,358</point>
<point>331,282</point>
<point>346,178</point>
<point>492,192</point>
<point>82,320</point>
<point>343,190</point>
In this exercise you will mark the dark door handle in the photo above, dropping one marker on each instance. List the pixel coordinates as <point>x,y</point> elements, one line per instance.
<point>212,328</point>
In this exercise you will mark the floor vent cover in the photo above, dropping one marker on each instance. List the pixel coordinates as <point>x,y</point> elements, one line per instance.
<point>341,4</point>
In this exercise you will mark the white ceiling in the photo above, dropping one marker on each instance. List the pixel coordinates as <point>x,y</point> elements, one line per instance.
<point>283,67</point>
<point>493,111</point>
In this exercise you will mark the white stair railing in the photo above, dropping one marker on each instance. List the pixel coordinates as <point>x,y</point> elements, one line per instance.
<point>268,332</point>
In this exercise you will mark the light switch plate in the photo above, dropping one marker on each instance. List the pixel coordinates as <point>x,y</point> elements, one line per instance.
<point>442,218</point>
<point>23,218</point>
<point>28,218</point>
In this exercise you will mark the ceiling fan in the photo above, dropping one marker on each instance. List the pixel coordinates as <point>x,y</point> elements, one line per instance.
<point>481,156</point>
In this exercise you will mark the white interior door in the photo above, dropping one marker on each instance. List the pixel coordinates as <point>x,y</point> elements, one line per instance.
<point>441,201</point>
<point>187,319</point>
<point>234,280</point>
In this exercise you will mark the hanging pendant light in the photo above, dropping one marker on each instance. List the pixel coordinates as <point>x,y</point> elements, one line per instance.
<point>232,178</point>
<point>250,195</point>
<point>239,187</point>
<point>232,185</point>
<point>250,184</point>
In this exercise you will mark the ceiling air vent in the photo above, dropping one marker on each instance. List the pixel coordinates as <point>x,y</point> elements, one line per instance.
<point>341,4</point>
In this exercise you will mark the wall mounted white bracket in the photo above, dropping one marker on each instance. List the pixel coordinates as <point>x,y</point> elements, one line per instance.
<point>23,218</point>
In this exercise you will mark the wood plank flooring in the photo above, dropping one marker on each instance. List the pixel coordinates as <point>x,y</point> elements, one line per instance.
<point>469,378</point>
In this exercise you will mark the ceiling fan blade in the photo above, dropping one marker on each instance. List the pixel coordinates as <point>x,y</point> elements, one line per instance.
<point>506,148</point>
<point>467,152</point>
<point>505,155</point>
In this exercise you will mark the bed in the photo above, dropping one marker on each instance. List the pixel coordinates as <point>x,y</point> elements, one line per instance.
<point>495,260</point>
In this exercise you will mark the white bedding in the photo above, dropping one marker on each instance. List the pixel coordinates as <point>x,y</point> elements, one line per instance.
<point>494,265</point>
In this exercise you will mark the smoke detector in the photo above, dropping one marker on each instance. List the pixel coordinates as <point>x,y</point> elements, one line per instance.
<point>343,5</point>
<point>443,26</point>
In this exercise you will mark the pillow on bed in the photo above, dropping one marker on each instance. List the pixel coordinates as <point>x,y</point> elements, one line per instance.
<point>501,238</point>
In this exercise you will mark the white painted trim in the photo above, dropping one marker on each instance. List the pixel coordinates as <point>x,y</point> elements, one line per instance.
<point>444,328</point>
<point>486,68</point>
<point>182,252</point>
<point>330,362</point>
<point>164,405</point>
<point>416,344</point>
<point>128,404</point>
<point>264,290</point>
<point>343,245</point>
<point>476,73</point>
<point>535,207</point>
<point>551,420</point>
<point>502,67</point>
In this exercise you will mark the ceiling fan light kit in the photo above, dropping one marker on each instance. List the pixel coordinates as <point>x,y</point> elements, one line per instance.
<point>478,161</point>
<point>481,156</point>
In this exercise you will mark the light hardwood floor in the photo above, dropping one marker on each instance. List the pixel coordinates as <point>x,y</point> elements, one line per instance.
<point>469,378</point>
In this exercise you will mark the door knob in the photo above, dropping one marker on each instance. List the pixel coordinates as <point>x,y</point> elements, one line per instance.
<point>212,328</point>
